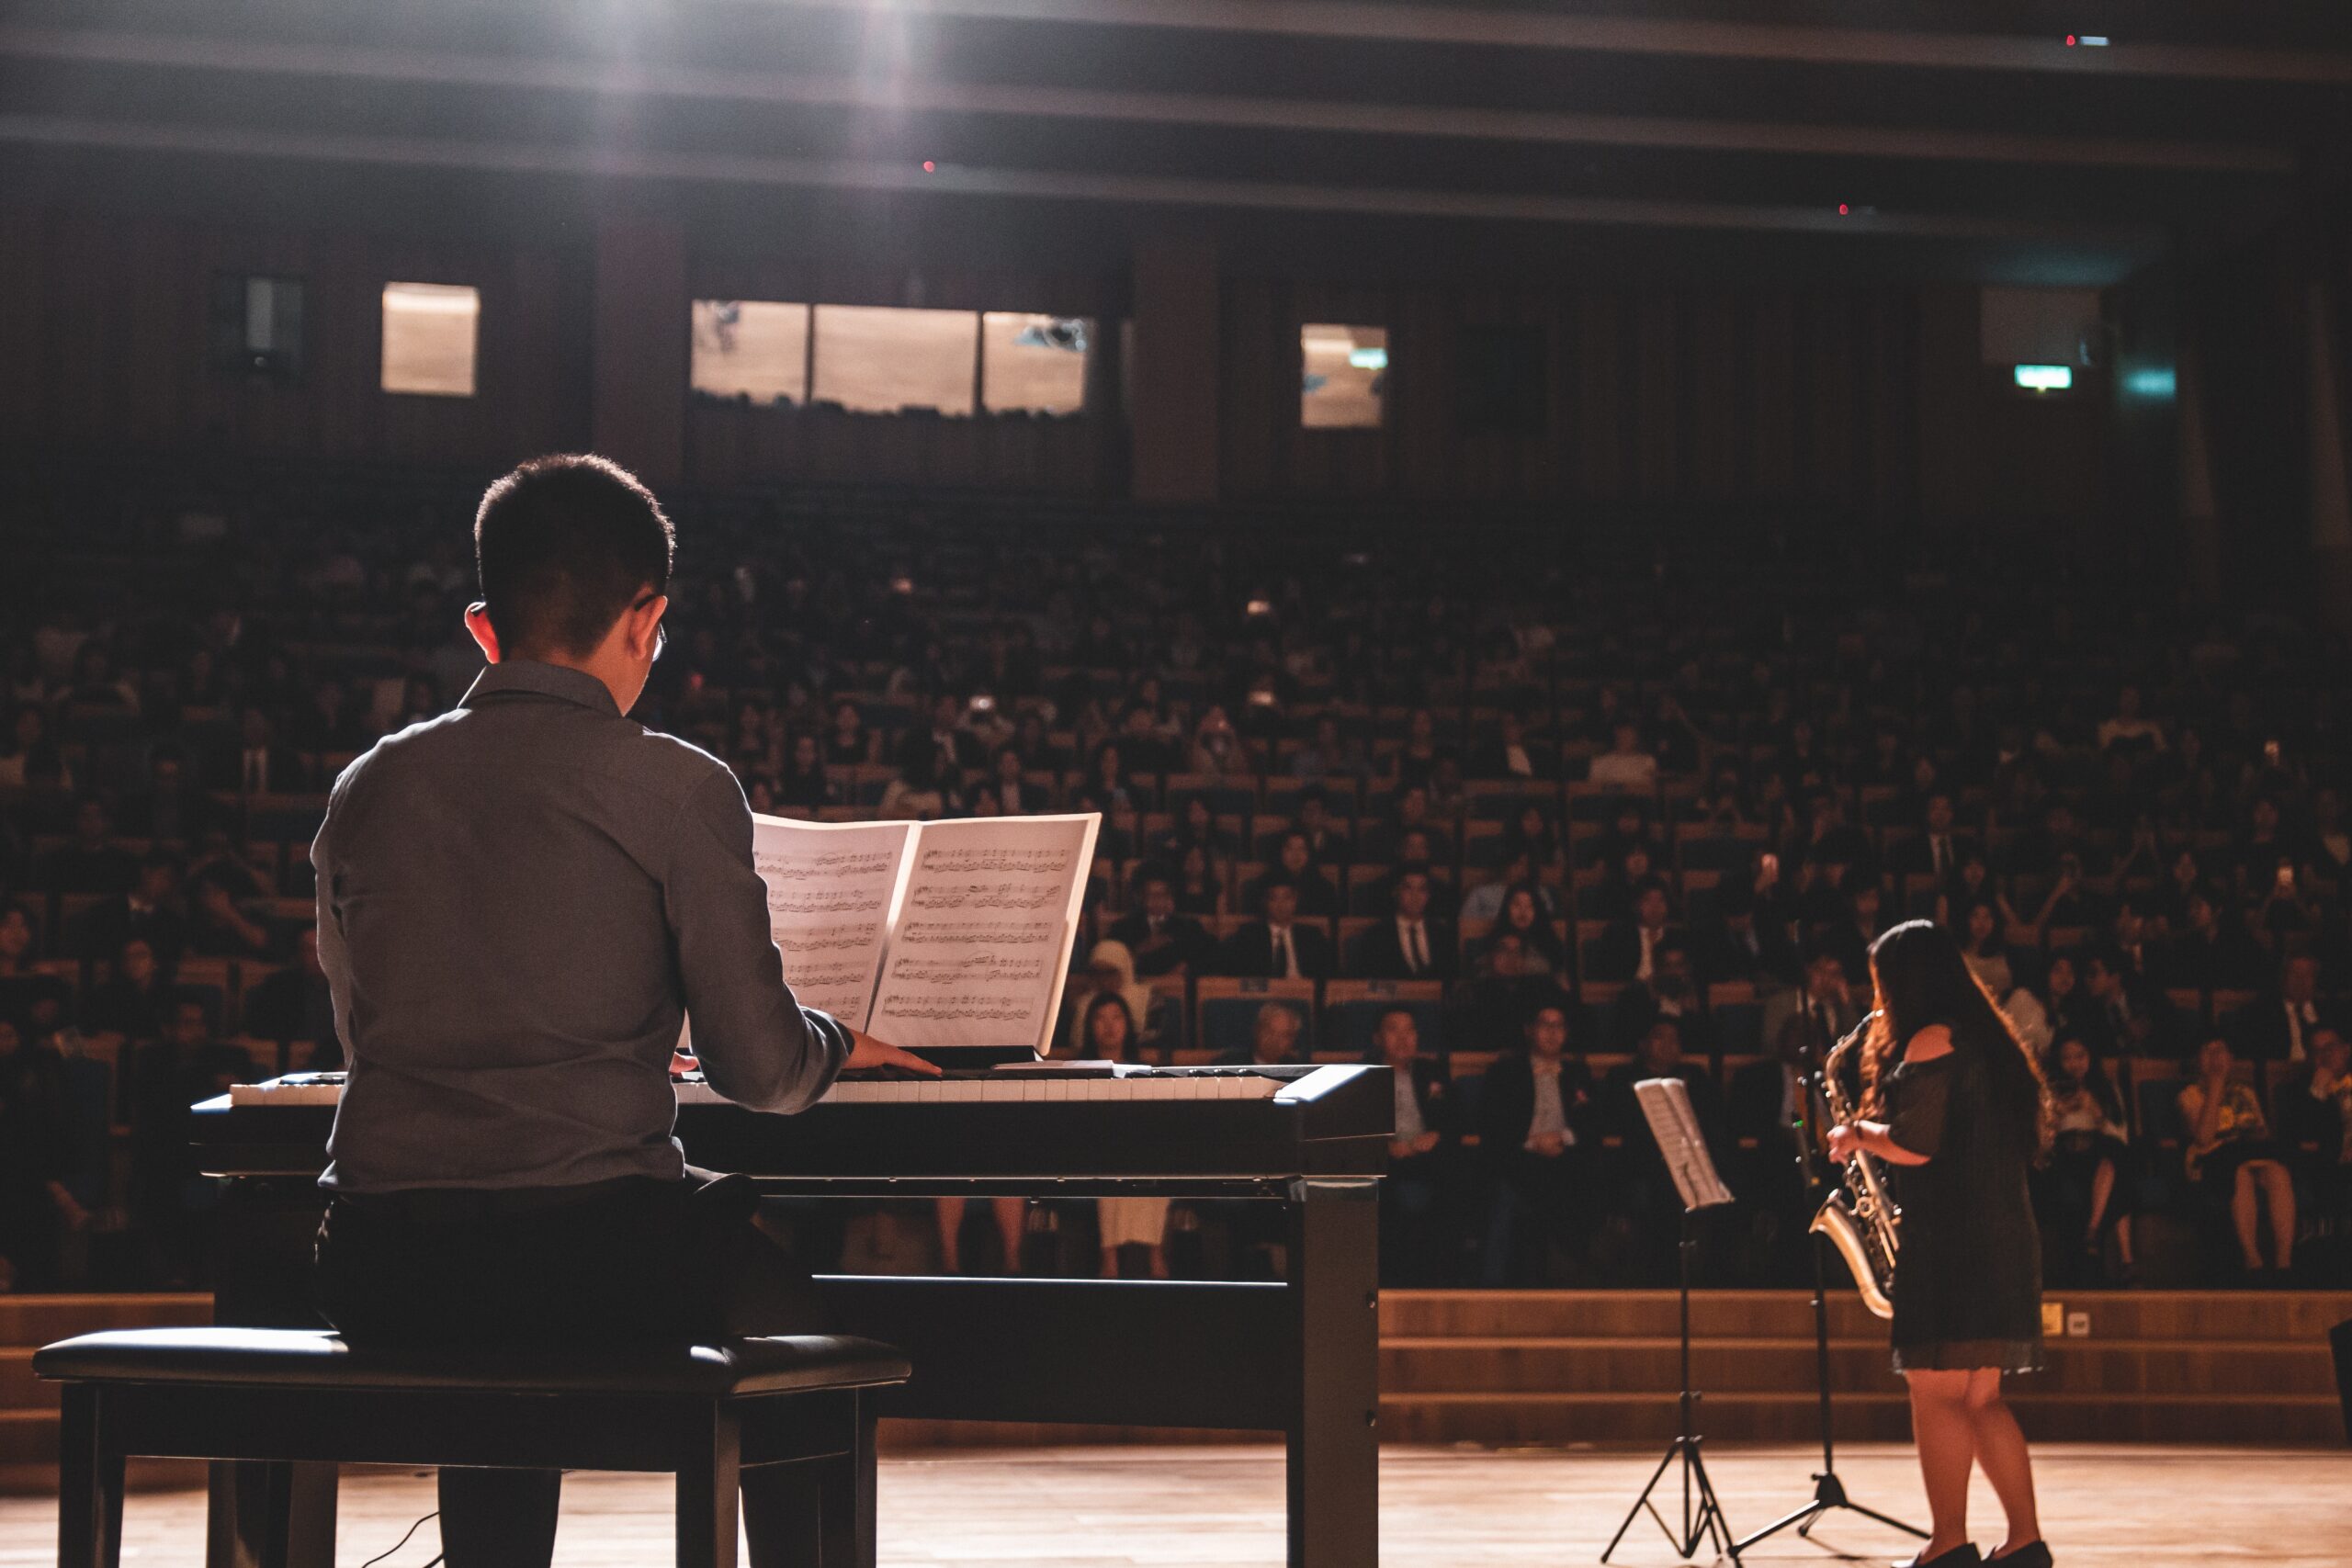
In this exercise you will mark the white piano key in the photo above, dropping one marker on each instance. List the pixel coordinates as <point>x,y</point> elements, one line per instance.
<point>1013,1088</point>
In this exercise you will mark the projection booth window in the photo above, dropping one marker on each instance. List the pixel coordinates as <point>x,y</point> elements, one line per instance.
<point>1346,376</point>
<point>429,338</point>
<point>756,350</point>
<point>878,359</point>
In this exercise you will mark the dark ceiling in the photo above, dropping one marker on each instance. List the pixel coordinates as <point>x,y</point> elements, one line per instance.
<point>1966,141</point>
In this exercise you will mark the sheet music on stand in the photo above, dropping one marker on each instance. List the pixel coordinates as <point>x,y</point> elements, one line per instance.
<point>1666,1104</point>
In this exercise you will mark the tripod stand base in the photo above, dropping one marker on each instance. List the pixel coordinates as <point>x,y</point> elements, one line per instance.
<point>1702,1514</point>
<point>1828,1493</point>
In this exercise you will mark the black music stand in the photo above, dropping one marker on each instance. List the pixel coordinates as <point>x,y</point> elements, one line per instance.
<point>1665,1102</point>
<point>1828,1491</point>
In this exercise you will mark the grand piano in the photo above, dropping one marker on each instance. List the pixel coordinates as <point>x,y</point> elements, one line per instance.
<point>1296,1356</point>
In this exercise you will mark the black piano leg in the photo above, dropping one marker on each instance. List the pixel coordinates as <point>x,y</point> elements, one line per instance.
<point>1334,1430</point>
<point>270,1515</point>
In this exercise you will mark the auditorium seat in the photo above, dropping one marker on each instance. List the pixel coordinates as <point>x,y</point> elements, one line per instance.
<point>1738,1017</point>
<point>1352,1009</point>
<point>1225,1011</point>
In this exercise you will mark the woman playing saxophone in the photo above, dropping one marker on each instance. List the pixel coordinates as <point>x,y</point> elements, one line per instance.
<point>1955,1106</point>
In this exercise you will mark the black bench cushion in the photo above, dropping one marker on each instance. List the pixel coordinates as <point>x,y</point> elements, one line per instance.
<point>301,1358</point>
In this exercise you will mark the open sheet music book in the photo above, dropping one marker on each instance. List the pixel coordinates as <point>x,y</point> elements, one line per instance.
<point>929,934</point>
<point>1665,1102</point>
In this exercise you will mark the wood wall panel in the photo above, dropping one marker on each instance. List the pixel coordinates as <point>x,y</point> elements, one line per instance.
<point>1710,367</point>
<point>1656,397</point>
<point>1771,348</point>
<point>1425,466</point>
<point>1828,396</point>
<point>107,336</point>
<point>1985,451</point>
<point>1597,351</point>
<point>1659,377</point>
<point>1178,382</point>
<point>23,305</point>
<point>1843,400</point>
<point>639,348</point>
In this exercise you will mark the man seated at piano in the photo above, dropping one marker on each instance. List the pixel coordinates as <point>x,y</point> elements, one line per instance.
<point>1274,1034</point>
<point>519,903</point>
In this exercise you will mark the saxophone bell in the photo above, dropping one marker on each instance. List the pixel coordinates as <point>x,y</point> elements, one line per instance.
<point>1860,1221</point>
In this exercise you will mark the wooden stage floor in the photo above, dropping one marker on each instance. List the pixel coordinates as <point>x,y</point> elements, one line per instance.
<point>2141,1507</point>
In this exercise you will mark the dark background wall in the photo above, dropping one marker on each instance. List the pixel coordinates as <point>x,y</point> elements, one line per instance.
<point>1664,395</point>
<point>1857,399</point>
<point>103,342</point>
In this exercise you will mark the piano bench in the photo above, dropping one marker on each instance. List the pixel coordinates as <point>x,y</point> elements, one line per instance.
<point>286,1406</point>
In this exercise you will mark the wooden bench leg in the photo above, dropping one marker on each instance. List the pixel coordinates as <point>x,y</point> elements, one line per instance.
<point>847,1491</point>
<point>89,1484</point>
<point>709,1479</point>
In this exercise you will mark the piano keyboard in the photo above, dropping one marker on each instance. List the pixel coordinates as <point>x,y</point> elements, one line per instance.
<point>999,1086</point>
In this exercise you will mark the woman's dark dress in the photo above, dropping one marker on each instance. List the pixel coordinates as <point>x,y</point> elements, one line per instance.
<point>1968,1271</point>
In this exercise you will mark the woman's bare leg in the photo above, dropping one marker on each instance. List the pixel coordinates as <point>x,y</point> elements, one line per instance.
<point>951,1229</point>
<point>2245,1216</point>
<point>2001,1452</point>
<point>2278,1189</point>
<point>1945,1431</point>
<point>2102,1193</point>
<point>1012,1225</point>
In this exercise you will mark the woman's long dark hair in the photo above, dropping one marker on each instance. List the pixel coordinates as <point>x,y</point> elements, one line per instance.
<point>2100,1087</point>
<point>1922,979</point>
<point>1102,1002</point>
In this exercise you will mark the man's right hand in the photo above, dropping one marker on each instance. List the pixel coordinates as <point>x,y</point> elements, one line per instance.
<point>868,1055</point>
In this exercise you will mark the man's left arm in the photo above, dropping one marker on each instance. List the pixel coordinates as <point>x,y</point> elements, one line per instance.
<point>758,1046</point>
<point>334,958</point>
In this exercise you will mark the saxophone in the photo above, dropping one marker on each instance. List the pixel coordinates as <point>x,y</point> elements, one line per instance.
<point>1860,1221</point>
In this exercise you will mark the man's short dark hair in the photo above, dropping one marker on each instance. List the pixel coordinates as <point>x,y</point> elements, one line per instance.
<point>564,544</point>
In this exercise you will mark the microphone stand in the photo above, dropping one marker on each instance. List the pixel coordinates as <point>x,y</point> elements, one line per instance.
<point>1829,1490</point>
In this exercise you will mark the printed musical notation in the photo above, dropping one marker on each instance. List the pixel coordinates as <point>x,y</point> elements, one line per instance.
<point>977,918</point>
<point>986,896</point>
<point>830,887</point>
<point>966,967</point>
<point>1051,862</point>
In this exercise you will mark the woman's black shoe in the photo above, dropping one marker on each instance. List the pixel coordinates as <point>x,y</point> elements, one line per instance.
<point>2034,1554</point>
<point>1964,1555</point>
